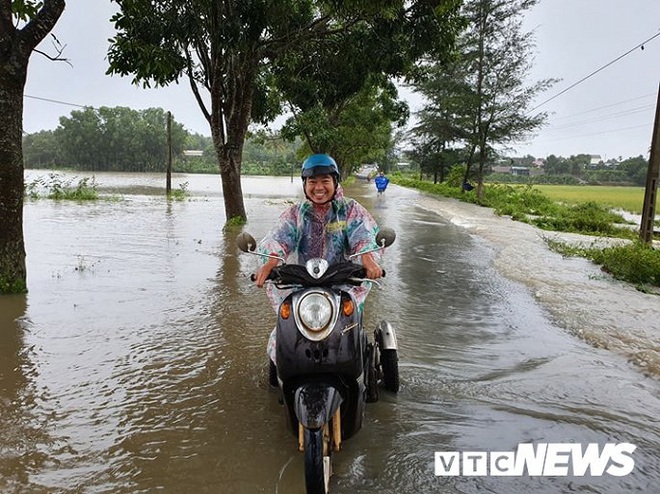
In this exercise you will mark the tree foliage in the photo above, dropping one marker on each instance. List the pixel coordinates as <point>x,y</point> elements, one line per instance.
<point>479,100</point>
<point>118,139</point>
<point>344,103</point>
<point>358,130</point>
<point>243,56</point>
<point>121,139</point>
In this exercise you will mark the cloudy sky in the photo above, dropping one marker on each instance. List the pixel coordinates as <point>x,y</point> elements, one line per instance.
<point>610,113</point>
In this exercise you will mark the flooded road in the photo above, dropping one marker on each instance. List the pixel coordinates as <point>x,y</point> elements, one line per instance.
<point>137,360</point>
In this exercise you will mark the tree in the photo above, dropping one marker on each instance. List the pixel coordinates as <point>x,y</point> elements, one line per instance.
<point>41,150</point>
<point>229,49</point>
<point>635,169</point>
<point>345,103</point>
<point>480,98</point>
<point>354,131</point>
<point>23,25</point>
<point>556,165</point>
<point>118,138</point>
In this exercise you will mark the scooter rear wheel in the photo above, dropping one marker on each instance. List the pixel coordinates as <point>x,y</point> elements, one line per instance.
<point>389,361</point>
<point>371,377</point>
<point>317,468</point>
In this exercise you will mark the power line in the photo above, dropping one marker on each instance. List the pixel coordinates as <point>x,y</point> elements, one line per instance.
<point>641,45</point>
<point>554,139</point>
<point>623,113</point>
<point>57,101</point>
<point>605,107</point>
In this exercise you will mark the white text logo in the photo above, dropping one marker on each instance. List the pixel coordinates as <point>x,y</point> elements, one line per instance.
<point>547,459</point>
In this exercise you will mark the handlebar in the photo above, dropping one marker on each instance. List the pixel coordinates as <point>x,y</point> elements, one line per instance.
<point>271,277</point>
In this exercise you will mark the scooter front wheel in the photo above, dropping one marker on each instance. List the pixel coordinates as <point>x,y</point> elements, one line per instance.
<point>317,466</point>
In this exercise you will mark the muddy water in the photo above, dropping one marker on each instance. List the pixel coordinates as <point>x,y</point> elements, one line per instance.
<point>136,363</point>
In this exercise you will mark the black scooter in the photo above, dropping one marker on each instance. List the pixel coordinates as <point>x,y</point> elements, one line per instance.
<point>327,369</point>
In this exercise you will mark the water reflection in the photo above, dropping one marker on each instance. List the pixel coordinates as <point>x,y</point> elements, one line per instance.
<point>21,430</point>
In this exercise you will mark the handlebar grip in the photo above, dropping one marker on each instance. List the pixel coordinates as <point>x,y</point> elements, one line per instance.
<point>271,276</point>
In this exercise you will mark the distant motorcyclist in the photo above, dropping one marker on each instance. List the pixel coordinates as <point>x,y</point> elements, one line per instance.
<point>325,225</point>
<point>381,182</point>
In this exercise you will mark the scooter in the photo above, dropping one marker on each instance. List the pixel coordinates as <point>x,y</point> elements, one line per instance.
<point>327,367</point>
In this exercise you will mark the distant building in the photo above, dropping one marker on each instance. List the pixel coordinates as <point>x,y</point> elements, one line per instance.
<point>595,160</point>
<point>501,169</point>
<point>518,170</point>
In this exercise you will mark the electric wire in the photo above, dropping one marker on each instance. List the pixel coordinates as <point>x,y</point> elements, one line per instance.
<point>57,101</point>
<point>593,73</point>
<point>595,119</point>
<point>605,107</point>
<point>612,131</point>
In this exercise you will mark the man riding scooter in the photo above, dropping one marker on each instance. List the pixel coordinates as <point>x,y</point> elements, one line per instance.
<point>325,225</point>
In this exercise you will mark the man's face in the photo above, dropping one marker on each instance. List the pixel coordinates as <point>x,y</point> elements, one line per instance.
<point>320,189</point>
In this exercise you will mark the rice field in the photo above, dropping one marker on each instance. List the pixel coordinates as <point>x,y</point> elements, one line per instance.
<point>629,199</point>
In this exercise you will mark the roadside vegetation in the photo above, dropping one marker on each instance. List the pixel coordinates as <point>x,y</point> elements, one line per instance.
<point>55,186</point>
<point>633,261</point>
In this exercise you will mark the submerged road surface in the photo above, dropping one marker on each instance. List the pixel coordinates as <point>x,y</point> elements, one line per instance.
<point>136,363</point>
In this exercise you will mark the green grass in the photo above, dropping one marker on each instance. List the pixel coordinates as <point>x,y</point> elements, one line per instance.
<point>179,194</point>
<point>634,263</point>
<point>56,187</point>
<point>626,198</point>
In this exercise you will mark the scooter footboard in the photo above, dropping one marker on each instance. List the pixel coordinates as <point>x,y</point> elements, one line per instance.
<point>316,403</point>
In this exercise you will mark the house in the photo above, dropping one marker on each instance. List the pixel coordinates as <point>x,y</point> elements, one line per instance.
<point>595,160</point>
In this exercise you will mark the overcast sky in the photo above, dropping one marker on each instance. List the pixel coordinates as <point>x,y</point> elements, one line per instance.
<point>610,113</point>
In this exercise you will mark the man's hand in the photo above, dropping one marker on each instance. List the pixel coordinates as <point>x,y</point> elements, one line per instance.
<point>374,271</point>
<point>264,271</point>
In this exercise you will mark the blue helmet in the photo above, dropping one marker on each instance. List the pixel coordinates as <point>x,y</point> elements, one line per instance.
<point>319,164</point>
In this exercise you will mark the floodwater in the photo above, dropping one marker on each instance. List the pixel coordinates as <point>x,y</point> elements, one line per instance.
<point>136,363</point>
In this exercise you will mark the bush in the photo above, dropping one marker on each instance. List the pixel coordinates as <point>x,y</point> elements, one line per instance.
<point>636,263</point>
<point>588,217</point>
<point>55,187</point>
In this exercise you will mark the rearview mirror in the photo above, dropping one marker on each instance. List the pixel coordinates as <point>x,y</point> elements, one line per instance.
<point>246,242</point>
<point>385,237</point>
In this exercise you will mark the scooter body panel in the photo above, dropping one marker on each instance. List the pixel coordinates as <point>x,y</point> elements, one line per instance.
<point>335,362</point>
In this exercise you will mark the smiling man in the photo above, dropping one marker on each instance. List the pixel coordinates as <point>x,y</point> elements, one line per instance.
<point>325,225</point>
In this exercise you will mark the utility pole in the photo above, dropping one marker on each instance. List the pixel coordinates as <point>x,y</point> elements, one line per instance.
<point>168,180</point>
<point>652,177</point>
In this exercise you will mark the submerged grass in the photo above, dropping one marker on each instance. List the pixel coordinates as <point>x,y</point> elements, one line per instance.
<point>635,262</point>
<point>179,194</point>
<point>58,188</point>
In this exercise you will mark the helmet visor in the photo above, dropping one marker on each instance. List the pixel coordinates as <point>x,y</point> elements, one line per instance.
<point>319,170</point>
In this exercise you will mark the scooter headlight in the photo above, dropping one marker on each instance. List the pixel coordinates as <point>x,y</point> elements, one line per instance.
<point>315,311</point>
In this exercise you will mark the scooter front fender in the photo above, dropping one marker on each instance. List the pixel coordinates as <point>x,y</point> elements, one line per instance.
<point>315,404</point>
<point>387,335</point>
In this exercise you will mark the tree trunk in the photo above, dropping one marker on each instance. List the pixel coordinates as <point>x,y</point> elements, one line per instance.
<point>16,46</point>
<point>230,118</point>
<point>13,272</point>
<point>230,172</point>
